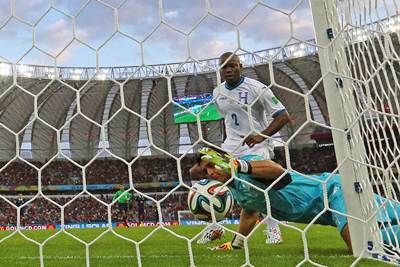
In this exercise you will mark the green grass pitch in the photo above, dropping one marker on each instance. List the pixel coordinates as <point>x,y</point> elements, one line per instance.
<point>163,249</point>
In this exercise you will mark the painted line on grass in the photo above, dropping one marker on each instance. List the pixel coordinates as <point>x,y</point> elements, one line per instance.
<point>228,255</point>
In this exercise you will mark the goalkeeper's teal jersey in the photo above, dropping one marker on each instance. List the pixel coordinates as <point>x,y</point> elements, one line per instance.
<point>302,200</point>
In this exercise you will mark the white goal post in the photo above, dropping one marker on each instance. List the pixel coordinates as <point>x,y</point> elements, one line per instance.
<point>353,81</point>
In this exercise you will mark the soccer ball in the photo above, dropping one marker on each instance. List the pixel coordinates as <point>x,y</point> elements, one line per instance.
<point>199,200</point>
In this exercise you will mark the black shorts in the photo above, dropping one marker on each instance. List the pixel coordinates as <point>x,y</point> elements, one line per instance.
<point>123,206</point>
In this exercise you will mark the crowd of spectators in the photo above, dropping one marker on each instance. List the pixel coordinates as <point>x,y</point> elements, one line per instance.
<point>309,160</point>
<point>86,209</point>
<point>145,170</point>
<point>101,171</point>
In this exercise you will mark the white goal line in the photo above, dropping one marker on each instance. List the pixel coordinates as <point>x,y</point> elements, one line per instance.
<point>151,257</point>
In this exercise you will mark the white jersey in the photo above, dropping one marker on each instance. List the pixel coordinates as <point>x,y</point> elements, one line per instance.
<point>233,104</point>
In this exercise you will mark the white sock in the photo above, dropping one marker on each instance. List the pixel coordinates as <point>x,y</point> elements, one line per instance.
<point>272,223</point>
<point>214,226</point>
<point>237,241</point>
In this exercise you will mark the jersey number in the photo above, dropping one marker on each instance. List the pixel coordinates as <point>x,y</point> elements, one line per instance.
<point>235,119</point>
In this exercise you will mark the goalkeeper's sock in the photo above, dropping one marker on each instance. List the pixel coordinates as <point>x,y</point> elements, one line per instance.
<point>237,242</point>
<point>243,166</point>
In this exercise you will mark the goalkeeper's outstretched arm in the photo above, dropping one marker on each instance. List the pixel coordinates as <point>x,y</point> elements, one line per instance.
<point>212,164</point>
<point>267,170</point>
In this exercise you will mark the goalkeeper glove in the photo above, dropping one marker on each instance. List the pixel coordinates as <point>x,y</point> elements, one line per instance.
<point>224,161</point>
<point>225,247</point>
<point>221,161</point>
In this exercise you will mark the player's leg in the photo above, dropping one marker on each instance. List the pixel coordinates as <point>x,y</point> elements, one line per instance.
<point>345,233</point>
<point>123,208</point>
<point>336,203</point>
<point>389,238</point>
<point>389,214</point>
<point>391,235</point>
<point>388,218</point>
<point>127,212</point>
<point>248,220</point>
<point>273,231</point>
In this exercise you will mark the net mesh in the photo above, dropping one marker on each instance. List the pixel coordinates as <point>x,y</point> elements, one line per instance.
<point>361,53</point>
<point>61,125</point>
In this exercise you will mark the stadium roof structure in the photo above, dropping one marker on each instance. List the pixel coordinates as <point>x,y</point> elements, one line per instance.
<point>145,93</point>
<point>39,107</point>
<point>292,50</point>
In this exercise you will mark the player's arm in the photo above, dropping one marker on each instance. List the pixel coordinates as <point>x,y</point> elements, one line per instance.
<point>265,171</point>
<point>278,112</point>
<point>277,124</point>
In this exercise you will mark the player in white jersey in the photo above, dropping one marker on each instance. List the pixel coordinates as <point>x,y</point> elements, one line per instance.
<point>244,102</point>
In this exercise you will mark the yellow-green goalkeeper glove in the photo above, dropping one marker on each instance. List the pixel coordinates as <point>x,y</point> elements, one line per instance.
<point>222,161</point>
<point>225,247</point>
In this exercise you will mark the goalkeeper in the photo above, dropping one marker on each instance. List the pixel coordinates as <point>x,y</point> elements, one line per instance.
<point>123,200</point>
<point>295,198</point>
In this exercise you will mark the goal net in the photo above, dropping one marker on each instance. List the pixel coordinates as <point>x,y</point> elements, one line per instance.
<point>73,133</point>
<point>358,57</point>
